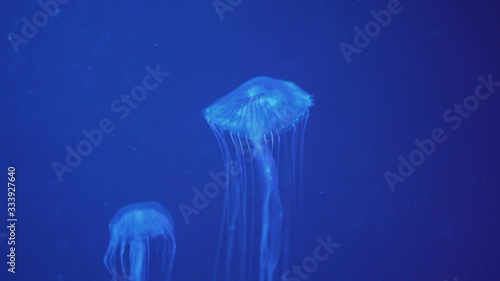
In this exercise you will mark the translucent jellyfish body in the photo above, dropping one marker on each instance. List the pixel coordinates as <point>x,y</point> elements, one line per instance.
<point>260,130</point>
<point>142,243</point>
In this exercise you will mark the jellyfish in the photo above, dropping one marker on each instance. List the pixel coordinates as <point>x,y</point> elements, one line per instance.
<point>260,131</point>
<point>142,243</point>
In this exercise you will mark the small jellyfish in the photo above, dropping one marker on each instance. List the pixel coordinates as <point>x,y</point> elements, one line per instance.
<point>260,130</point>
<point>142,243</point>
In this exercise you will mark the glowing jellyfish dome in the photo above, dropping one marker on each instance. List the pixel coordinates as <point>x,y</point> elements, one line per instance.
<point>260,130</point>
<point>142,243</point>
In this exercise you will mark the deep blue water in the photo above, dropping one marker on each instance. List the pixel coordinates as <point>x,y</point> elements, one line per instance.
<point>440,224</point>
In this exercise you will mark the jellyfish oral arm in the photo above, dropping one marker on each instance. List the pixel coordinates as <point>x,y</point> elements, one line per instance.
<point>272,211</point>
<point>139,250</point>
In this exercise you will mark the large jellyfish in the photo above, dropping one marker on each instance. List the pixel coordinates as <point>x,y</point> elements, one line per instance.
<point>260,130</point>
<point>142,243</point>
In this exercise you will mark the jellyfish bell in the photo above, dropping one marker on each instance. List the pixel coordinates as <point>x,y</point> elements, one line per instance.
<point>260,127</point>
<point>262,105</point>
<point>142,243</point>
